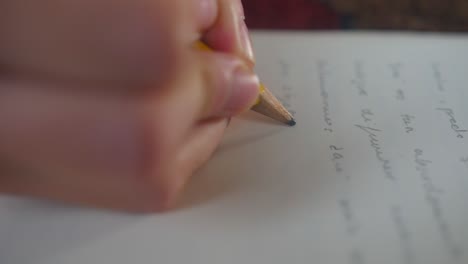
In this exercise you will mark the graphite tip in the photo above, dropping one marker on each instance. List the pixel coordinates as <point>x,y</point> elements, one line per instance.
<point>292,122</point>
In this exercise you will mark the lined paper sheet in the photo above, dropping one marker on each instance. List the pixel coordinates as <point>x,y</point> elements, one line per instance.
<point>375,171</point>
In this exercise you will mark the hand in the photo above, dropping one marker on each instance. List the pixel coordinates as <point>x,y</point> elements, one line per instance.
<point>106,103</point>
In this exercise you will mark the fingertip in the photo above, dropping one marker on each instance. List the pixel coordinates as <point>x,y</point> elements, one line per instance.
<point>230,33</point>
<point>230,86</point>
<point>207,12</point>
<point>245,89</point>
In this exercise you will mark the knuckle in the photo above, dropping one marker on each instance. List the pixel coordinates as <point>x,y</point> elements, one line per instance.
<point>159,178</point>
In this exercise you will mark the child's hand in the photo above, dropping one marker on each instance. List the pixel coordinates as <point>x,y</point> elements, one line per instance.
<point>106,103</point>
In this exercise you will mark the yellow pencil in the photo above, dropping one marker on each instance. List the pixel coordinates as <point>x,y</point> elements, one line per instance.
<point>267,104</point>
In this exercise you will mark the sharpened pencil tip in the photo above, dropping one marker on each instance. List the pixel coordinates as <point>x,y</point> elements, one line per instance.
<point>292,122</point>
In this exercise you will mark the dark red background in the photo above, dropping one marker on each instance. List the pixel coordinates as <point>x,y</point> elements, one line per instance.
<point>290,14</point>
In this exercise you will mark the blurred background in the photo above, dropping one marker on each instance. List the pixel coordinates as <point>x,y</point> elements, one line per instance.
<point>420,15</point>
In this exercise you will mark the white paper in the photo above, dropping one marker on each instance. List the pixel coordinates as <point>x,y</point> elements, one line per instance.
<point>375,171</point>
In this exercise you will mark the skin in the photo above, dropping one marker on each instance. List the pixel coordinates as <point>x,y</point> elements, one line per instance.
<point>107,104</point>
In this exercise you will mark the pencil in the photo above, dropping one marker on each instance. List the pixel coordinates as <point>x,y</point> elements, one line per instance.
<point>267,104</point>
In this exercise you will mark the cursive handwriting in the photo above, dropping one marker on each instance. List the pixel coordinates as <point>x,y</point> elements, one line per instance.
<point>287,90</point>
<point>352,227</point>
<point>367,115</point>
<point>395,69</point>
<point>403,233</point>
<point>421,164</point>
<point>337,158</point>
<point>440,83</point>
<point>407,122</point>
<point>359,78</point>
<point>322,73</point>
<point>400,95</point>
<point>375,144</point>
<point>453,122</point>
<point>432,196</point>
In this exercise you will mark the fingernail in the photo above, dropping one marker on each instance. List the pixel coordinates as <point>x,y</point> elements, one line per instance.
<point>244,36</point>
<point>240,8</point>
<point>245,41</point>
<point>244,91</point>
<point>207,10</point>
